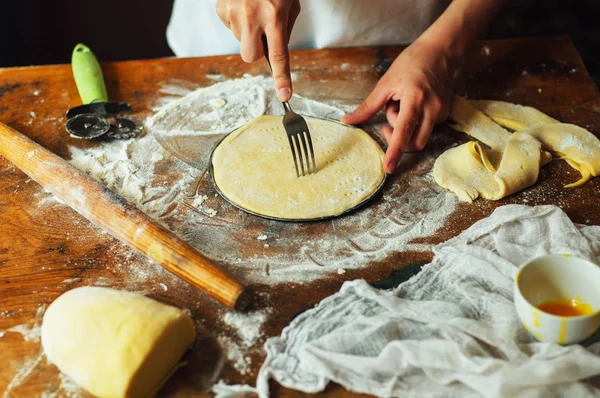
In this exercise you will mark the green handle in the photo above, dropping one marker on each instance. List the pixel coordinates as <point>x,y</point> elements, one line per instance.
<point>88,75</point>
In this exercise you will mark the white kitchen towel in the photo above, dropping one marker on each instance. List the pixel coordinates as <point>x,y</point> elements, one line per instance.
<point>450,331</point>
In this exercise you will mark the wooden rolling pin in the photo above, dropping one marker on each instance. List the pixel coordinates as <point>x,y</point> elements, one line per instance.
<point>121,219</point>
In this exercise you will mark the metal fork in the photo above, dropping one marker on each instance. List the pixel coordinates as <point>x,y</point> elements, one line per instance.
<point>297,131</point>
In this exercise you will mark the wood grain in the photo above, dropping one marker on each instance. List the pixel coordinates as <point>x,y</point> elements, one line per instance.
<point>111,212</point>
<point>47,250</point>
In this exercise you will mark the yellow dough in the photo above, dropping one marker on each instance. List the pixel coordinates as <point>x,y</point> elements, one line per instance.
<point>468,119</point>
<point>115,343</point>
<point>513,116</point>
<point>577,146</point>
<point>512,161</point>
<point>462,170</point>
<point>467,171</point>
<point>254,169</point>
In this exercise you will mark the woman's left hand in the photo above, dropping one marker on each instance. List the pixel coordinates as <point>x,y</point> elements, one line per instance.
<point>416,92</point>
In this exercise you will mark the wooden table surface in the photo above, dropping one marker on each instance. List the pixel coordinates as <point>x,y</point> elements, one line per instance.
<point>45,251</point>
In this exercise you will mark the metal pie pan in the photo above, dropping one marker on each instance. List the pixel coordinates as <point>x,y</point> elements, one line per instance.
<point>294,220</point>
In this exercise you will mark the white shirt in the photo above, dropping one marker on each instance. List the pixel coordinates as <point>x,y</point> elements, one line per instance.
<point>196,30</point>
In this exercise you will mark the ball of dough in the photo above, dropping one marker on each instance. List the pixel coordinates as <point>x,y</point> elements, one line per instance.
<point>115,343</point>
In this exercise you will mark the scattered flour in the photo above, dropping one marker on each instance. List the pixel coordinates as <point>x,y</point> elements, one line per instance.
<point>67,388</point>
<point>29,333</point>
<point>222,390</point>
<point>211,212</point>
<point>199,200</point>
<point>247,332</point>
<point>71,280</point>
<point>103,282</point>
<point>235,355</point>
<point>247,326</point>
<point>22,374</point>
<point>412,205</point>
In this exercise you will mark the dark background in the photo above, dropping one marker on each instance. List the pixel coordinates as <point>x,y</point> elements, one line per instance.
<point>35,32</point>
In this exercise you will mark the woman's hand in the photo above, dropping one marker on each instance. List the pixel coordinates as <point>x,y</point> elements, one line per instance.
<point>416,92</point>
<point>249,20</point>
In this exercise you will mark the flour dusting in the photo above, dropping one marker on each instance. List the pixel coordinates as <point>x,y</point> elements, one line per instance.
<point>182,198</point>
<point>235,355</point>
<point>222,390</point>
<point>247,326</point>
<point>22,374</point>
<point>29,333</point>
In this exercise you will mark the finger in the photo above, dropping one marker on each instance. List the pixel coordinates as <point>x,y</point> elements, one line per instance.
<point>387,133</point>
<point>402,134</point>
<point>251,47</point>
<point>391,112</point>
<point>369,107</point>
<point>222,12</point>
<point>294,12</point>
<point>422,133</point>
<point>444,111</point>
<point>236,28</point>
<point>280,62</point>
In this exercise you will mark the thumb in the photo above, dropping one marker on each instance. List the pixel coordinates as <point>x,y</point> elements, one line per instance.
<point>368,108</point>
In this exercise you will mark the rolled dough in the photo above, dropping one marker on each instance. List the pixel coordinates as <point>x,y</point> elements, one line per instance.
<point>577,146</point>
<point>467,171</point>
<point>512,160</point>
<point>512,116</point>
<point>254,169</point>
<point>115,343</point>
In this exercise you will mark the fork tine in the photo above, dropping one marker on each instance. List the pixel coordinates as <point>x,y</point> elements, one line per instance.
<point>312,152</point>
<point>299,153</point>
<point>294,155</point>
<point>303,139</point>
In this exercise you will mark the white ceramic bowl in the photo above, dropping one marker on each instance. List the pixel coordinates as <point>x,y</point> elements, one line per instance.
<point>558,277</point>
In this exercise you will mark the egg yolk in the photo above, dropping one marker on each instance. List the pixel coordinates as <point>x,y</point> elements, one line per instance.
<point>566,308</point>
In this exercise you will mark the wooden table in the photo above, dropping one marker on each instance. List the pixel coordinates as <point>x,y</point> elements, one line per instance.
<point>46,251</point>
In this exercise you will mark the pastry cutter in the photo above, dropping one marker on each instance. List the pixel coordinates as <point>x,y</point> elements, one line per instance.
<point>97,116</point>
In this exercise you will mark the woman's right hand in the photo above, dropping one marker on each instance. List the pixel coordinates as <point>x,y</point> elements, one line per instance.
<point>250,19</point>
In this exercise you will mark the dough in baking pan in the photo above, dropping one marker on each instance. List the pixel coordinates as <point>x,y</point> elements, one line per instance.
<point>253,168</point>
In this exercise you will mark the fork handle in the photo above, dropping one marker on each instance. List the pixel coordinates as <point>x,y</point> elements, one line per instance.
<point>286,106</point>
<point>266,51</point>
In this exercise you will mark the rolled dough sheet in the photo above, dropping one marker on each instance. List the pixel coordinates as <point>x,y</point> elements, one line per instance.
<point>513,159</point>
<point>115,343</point>
<point>467,171</point>
<point>253,168</point>
<point>577,146</point>
<point>513,116</point>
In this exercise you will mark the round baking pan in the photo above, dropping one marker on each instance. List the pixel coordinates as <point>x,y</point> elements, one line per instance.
<point>350,210</point>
